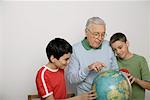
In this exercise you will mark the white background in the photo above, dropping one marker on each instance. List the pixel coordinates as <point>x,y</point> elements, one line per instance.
<point>27,27</point>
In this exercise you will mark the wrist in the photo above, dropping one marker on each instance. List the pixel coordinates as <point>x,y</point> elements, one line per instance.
<point>136,80</point>
<point>86,70</point>
<point>89,68</point>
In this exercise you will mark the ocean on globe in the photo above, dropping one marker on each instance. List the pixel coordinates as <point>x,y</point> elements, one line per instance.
<point>112,85</point>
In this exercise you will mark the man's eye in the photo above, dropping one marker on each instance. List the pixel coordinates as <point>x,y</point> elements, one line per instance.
<point>96,33</point>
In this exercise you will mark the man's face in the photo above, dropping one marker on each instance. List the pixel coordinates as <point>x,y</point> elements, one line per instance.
<point>120,48</point>
<point>95,35</point>
<point>63,61</point>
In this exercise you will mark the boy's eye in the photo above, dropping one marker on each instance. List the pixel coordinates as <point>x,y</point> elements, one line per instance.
<point>120,47</point>
<point>114,50</point>
<point>67,59</point>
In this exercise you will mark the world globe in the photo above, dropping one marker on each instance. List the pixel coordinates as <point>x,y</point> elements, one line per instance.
<point>112,85</point>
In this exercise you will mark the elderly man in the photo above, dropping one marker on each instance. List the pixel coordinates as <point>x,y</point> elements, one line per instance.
<point>90,56</point>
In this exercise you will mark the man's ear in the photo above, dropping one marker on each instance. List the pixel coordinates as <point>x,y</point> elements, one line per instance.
<point>86,33</point>
<point>52,58</point>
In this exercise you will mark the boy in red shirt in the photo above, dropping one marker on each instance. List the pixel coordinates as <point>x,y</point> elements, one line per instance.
<point>50,79</point>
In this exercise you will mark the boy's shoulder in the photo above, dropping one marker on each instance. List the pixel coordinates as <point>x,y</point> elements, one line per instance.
<point>139,57</point>
<point>39,71</point>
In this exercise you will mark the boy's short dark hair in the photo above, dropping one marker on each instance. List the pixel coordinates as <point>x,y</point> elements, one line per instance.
<point>58,47</point>
<point>117,37</point>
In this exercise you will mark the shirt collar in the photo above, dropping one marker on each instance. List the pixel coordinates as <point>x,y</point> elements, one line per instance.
<point>86,45</point>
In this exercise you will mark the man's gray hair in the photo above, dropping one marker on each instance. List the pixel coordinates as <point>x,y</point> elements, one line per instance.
<point>95,20</point>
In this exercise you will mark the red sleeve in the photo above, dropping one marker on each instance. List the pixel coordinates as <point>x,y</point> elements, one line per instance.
<point>42,82</point>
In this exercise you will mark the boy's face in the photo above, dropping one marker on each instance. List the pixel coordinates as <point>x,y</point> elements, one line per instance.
<point>63,61</point>
<point>120,48</point>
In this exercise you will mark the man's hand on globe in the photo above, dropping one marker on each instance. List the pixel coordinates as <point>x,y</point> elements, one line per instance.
<point>97,66</point>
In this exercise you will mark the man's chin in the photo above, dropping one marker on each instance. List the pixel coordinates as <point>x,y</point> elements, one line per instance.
<point>95,47</point>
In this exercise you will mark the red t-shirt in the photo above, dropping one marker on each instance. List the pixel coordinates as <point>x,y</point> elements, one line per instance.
<point>49,81</point>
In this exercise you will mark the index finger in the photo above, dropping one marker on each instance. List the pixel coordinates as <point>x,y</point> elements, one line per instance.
<point>103,65</point>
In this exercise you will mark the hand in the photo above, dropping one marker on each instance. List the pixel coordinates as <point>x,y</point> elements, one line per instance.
<point>97,66</point>
<point>131,78</point>
<point>89,95</point>
<point>85,96</point>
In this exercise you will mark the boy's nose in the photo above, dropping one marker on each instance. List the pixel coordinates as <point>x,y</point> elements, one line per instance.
<point>68,61</point>
<point>118,51</point>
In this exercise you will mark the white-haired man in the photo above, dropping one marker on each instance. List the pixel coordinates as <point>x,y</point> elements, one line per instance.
<point>90,56</point>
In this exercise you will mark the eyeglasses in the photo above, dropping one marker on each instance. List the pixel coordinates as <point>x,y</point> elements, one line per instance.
<point>97,34</point>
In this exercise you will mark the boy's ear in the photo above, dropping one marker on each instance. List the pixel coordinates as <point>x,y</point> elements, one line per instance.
<point>127,42</point>
<point>52,58</point>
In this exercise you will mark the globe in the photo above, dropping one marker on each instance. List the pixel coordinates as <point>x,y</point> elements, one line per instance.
<point>112,85</point>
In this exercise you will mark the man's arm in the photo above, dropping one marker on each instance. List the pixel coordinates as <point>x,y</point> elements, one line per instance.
<point>76,74</point>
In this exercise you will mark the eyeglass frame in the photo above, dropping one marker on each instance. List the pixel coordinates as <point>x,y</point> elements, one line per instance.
<point>97,34</point>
